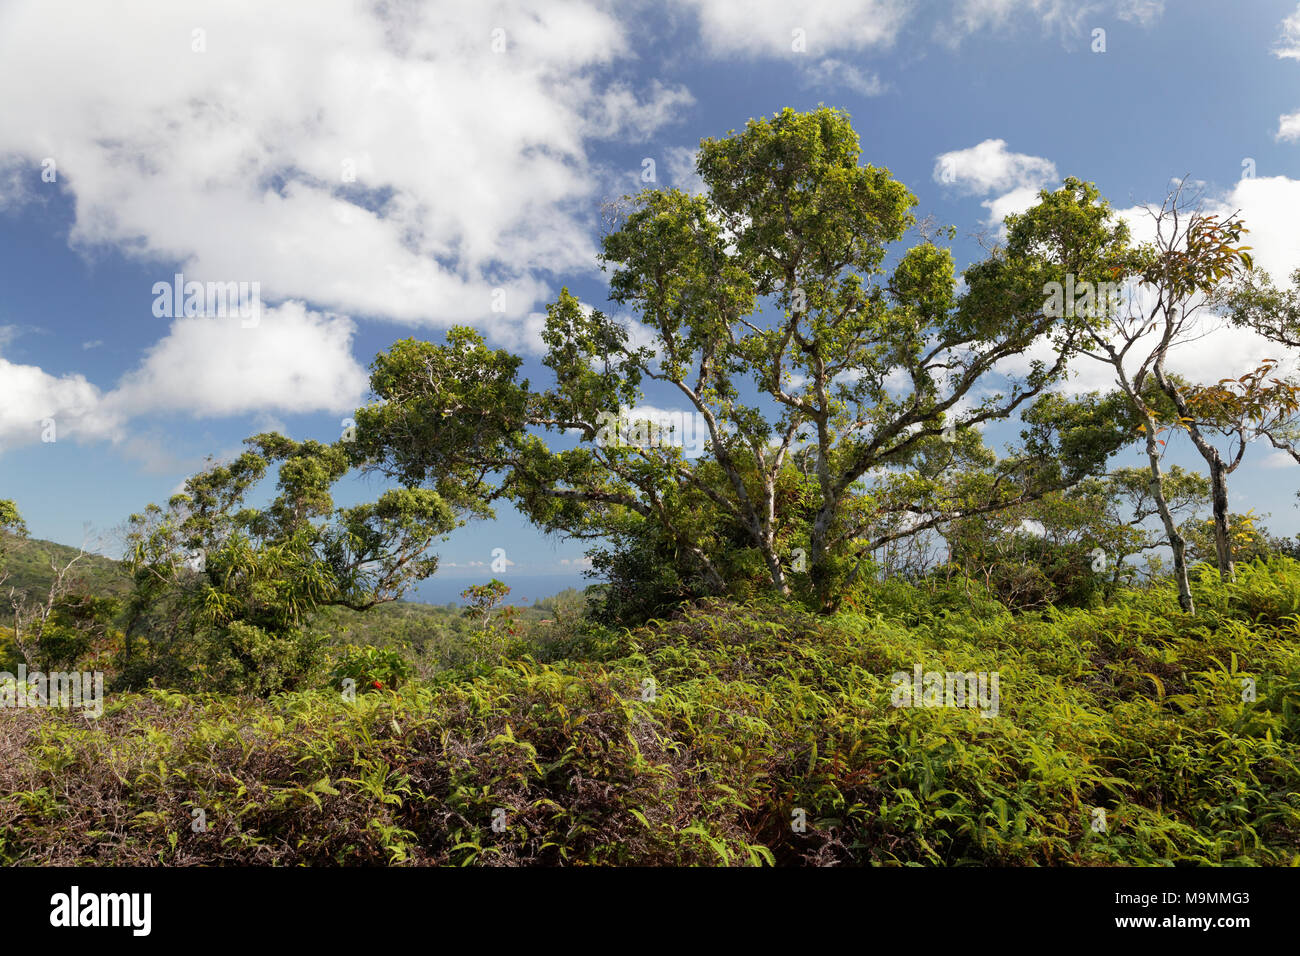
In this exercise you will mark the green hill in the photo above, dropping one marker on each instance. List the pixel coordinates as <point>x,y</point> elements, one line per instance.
<point>28,563</point>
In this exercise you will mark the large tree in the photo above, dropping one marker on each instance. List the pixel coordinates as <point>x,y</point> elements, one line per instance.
<point>816,357</point>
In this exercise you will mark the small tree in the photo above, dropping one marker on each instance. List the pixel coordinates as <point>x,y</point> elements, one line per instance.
<point>1236,411</point>
<point>222,590</point>
<point>1191,257</point>
<point>495,628</point>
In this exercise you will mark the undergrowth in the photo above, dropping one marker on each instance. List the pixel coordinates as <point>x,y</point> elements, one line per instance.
<point>731,734</point>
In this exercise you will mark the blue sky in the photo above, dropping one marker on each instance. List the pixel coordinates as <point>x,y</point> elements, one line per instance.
<point>379,170</point>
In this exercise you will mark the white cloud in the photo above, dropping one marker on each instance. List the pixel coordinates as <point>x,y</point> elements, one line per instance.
<point>1212,350</point>
<point>830,73</point>
<point>1067,17</point>
<point>1288,44</point>
<point>30,399</point>
<point>375,160</point>
<point>619,112</point>
<point>292,361</point>
<point>1270,206</point>
<point>1016,201</point>
<point>991,167</point>
<point>767,27</point>
<point>1288,127</point>
<point>471,166</point>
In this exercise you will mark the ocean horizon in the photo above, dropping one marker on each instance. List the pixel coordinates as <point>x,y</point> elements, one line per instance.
<point>524,588</point>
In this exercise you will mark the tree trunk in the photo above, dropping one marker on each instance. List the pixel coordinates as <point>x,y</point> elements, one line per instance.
<point>1218,475</point>
<point>775,570</point>
<point>1222,526</point>
<point>1177,543</point>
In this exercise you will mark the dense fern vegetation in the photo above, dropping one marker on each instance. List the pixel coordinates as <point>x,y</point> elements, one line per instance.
<point>546,748</point>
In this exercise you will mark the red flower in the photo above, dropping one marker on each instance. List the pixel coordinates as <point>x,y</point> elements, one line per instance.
<point>379,684</point>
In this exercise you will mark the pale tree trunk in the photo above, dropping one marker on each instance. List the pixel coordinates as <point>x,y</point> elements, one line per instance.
<point>1177,543</point>
<point>767,540</point>
<point>767,534</point>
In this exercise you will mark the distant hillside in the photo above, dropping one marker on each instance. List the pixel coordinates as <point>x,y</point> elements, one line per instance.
<point>28,563</point>
<point>410,622</point>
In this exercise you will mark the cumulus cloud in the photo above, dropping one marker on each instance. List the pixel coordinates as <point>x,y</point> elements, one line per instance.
<point>990,167</point>
<point>1211,350</point>
<point>423,163</point>
<point>1288,44</point>
<point>35,405</point>
<point>293,360</point>
<point>1270,206</point>
<point>1016,201</point>
<point>775,27</point>
<point>396,160</point>
<point>1288,127</point>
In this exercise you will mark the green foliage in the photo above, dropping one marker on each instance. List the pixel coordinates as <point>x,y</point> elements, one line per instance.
<point>372,668</point>
<point>820,365</point>
<point>11,526</point>
<point>1071,547</point>
<point>25,565</point>
<point>1249,539</point>
<point>223,591</point>
<point>697,741</point>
